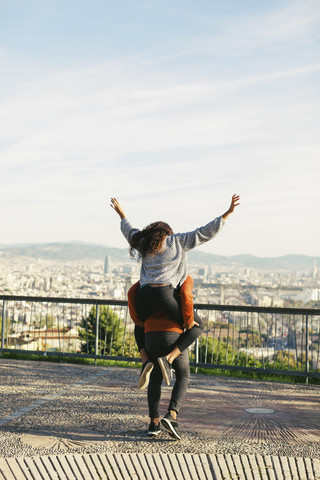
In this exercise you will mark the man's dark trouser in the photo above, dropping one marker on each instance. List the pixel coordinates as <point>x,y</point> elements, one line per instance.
<point>183,341</point>
<point>159,344</point>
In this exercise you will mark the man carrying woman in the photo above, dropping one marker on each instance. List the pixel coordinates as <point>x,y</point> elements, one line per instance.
<point>159,316</point>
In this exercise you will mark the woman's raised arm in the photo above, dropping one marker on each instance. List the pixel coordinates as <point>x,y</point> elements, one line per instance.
<point>234,203</point>
<point>117,207</point>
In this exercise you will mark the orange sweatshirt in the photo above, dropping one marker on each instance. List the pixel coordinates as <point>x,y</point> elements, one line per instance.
<point>159,322</point>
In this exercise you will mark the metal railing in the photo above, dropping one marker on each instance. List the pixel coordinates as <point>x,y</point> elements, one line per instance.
<point>247,338</point>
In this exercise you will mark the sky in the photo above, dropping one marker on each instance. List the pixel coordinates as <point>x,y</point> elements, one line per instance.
<point>171,106</point>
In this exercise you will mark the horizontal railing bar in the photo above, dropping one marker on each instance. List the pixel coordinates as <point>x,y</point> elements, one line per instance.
<point>87,301</point>
<point>256,309</point>
<point>198,306</point>
<point>73,355</point>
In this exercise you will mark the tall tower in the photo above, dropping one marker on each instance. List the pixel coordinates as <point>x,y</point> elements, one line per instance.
<point>315,269</point>
<point>107,264</point>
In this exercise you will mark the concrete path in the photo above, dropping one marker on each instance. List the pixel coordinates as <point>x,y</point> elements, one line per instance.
<point>84,418</point>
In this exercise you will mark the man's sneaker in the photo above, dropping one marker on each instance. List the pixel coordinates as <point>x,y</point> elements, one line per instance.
<point>165,369</point>
<point>171,425</point>
<point>147,368</point>
<point>154,429</point>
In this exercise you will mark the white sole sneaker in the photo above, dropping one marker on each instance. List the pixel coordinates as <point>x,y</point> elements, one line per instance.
<point>173,432</point>
<point>165,370</point>
<point>145,376</point>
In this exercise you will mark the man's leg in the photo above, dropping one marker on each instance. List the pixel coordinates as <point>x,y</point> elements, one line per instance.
<point>147,366</point>
<point>157,344</point>
<point>182,372</point>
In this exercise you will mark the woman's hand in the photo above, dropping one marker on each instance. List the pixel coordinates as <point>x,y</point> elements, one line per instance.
<point>117,207</point>
<point>234,203</point>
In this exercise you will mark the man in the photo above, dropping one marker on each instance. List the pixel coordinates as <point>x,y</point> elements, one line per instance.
<point>157,338</point>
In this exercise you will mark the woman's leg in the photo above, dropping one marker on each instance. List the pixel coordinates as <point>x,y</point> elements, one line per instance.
<point>145,301</point>
<point>189,336</point>
<point>152,299</point>
<point>167,302</point>
<point>189,317</point>
<point>185,339</point>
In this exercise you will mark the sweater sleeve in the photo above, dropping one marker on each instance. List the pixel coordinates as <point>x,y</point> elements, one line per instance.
<point>127,230</point>
<point>190,240</point>
<point>132,293</point>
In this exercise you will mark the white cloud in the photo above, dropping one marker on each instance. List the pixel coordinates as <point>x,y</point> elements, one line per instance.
<point>169,144</point>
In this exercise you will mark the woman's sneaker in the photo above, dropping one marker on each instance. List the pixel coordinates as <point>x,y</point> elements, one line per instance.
<point>171,425</point>
<point>154,429</point>
<point>165,369</point>
<point>147,368</point>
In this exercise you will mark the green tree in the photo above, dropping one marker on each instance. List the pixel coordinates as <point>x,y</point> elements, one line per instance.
<point>219,352</point>
<point>46,321</point>
<point>111,338</point>
<point>284,360</point>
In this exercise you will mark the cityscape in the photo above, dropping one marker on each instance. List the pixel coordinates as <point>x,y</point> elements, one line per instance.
<point>111,279</point>
<point>80,283</point>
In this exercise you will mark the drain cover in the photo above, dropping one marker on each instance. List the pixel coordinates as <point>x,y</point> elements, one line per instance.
<point>260,411</point>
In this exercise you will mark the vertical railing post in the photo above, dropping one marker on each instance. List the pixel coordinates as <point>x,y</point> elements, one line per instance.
<point>196,355</point>
<point>3,326</point>
<point>307,347</point>
<point>96,346</point>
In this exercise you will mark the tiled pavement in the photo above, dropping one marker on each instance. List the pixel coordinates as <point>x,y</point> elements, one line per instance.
<point>86,418</point>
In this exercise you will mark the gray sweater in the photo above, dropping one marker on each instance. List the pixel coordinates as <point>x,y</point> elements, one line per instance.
<point>170,265</point>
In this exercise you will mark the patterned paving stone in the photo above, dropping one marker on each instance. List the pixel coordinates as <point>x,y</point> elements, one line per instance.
<point>62,439</point>
<point>90,410</point>
<point>280,413</point>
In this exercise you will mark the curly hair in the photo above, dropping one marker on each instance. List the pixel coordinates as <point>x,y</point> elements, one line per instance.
<point>149,240</point>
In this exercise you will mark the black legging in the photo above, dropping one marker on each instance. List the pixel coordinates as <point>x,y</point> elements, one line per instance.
<point>152,299</point>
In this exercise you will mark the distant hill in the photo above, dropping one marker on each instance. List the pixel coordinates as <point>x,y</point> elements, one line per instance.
<point>65,251</point>
<point>78,250</point>
<point>286,262</point>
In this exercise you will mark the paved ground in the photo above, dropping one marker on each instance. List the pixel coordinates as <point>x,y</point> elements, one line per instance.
<point>163,466</point>
<point>51,409</point>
